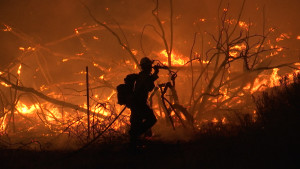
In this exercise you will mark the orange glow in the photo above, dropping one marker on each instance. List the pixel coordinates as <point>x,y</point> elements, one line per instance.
<point>234,51</point>
<point>298,37</point>
<point>243,25</point>
<point>5,85</point>
<point>24,109</point>
<point>65,60</point>
<point>274,77</point>
<point>214,120</point>
<point>19,69</point>
<point>134,52</point>
<point>7,28</point>
<point>282,37</point>
<point>264,81</point>
<point>176,59</point>
<point>224,121</point>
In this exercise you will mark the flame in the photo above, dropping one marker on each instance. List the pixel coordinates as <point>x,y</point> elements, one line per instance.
<point>243,25</point>
<point>298,37</point>
<point>43,87</point>
<point>65,60</point>
<point>19,70</point>
<point>134,52</point>
<point>3,124</point>
<point>109,97</point>
<point>234,51</point>
<point>26,49</point>
<point>176,59</point>
<point>264,81</point>
<point>76,31</point>
<point>24,109</point>
<point>215,120</point>
<point>282,37</point>
<point>5,85</point>
<point>7,28</point>
<point>274,77</point>
<point>224,120</point>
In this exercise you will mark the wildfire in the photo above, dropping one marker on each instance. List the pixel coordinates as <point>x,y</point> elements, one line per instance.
<point>102,104</point>
<point>264,81</point>
<point>176,59</point>
<point>234,51</point>
<point>24,109</point>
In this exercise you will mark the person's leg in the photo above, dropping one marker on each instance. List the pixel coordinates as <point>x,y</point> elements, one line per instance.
<point>135,125</point>
<point>149,119</point>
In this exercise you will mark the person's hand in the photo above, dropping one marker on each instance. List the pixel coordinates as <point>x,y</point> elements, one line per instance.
<point>156,68</point>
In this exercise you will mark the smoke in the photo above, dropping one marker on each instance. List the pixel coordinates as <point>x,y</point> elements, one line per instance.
<point>52,24</point>
<point>50,20</point>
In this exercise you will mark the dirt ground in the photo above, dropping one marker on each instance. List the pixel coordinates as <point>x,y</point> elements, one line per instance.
<point>243,152</point>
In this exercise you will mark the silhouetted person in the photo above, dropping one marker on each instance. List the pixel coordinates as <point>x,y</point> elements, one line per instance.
<point>142,117</point>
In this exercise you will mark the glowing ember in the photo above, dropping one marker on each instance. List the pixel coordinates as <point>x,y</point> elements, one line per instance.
<point>19,70</point>
<point>134,52</point>
<point>4,84</point>
<point>243,25</point>
<point>282,37</point>
<point>214,120</point>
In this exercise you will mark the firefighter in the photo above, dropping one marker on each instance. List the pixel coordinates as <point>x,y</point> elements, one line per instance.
<point>142,117</point>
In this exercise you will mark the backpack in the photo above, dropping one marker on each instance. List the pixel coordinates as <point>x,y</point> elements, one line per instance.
<point>125,91</point>
<point>124,94</point>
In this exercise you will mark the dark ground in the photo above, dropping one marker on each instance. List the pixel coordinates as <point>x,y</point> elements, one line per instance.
<point>252,151</point>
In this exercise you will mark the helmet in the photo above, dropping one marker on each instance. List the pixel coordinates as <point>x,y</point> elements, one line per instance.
<point>146,61</point>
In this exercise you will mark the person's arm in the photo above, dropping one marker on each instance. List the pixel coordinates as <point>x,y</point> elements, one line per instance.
<point>155,74</point>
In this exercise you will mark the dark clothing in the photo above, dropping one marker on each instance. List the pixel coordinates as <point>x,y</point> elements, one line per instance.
<point>142,117</point>
<point>144,84</point>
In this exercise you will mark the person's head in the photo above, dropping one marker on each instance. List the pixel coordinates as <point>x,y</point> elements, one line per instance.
<point>146,64</point>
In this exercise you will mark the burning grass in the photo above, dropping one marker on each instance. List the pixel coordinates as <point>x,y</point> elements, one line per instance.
<point>43,94</point>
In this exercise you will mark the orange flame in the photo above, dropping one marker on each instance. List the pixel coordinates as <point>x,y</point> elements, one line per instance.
<point>176,59</point>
